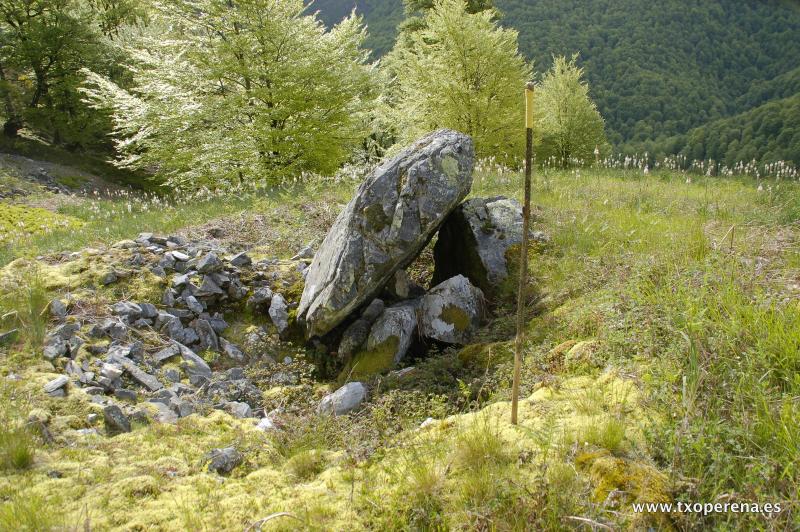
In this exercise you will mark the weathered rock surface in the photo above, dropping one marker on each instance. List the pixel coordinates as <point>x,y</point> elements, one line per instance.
<point>389,339</point>
<point>451,311</point>
<point>357,332</point>
<point>56,385</point>
<point>278,313</point>
<point>392,216</point>
<point>475,239</point>
<point>116,422</point>
<point>224,460</point>
<point>343,400</point>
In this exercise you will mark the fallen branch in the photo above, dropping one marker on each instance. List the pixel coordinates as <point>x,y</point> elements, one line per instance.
<point>258,524</point>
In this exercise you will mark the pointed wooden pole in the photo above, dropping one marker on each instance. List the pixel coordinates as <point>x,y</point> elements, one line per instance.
<point>523,255</point>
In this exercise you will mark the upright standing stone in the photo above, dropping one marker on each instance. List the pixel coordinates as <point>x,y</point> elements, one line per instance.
<point>475,241</point>
<point>384,227</point>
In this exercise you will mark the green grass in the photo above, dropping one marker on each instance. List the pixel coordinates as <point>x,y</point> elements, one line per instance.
<point>24,306</point>
<point>686,281</point>
<point>107,220</point>
<point>687,290</point>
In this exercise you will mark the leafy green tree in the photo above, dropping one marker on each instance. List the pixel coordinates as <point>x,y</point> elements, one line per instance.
<point>415,13</point>
<point>230,92</point>
<point>461,71</point>
<point>570,126</point>
<point>43,46</point>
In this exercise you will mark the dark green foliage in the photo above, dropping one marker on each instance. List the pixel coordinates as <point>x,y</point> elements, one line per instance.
<point>44,44</point>
<point>656,70</point>
<point>766,134</point>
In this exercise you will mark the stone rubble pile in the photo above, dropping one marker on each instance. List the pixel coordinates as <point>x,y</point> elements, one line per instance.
<point>107,358</point>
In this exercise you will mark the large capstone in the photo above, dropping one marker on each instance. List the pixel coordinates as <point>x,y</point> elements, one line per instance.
<point>474,242</point>
<point>451,311</point>
<point>393,215</point>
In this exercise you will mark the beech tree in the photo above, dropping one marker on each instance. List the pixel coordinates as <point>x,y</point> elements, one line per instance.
<point>43,45</point>
<point>567,119</point>
<point>459,70</point>
<point>240,91</point>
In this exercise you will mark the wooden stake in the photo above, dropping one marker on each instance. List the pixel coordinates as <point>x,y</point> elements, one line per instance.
<point>523,256</point>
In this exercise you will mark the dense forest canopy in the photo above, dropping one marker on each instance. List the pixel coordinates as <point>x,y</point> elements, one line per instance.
<point>656,70</point>
<point>192,90</point>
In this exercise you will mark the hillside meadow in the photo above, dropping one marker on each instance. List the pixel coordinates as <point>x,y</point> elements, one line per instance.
<point>661,364</point>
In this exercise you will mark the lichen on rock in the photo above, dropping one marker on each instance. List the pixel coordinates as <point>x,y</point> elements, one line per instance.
<point>394,213</point>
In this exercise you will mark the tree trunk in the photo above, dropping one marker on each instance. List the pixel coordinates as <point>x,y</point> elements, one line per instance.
<point>13,121</point>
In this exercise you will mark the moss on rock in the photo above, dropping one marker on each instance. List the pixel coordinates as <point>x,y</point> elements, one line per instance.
<point>371,362</point>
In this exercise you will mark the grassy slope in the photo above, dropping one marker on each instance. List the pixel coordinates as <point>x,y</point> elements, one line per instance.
<point>683,384</point>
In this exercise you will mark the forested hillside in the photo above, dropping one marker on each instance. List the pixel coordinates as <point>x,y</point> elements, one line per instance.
<point>656,69</point>
<point>767,133</point>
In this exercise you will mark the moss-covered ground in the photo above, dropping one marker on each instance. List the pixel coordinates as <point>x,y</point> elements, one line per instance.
<point>661,363</point>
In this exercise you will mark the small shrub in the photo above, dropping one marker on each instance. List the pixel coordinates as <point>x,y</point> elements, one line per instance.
<point>24,300</point>
<point>17,448</point>
<point>481,444</point>
<point>306,464</point>
<point>608,433</point>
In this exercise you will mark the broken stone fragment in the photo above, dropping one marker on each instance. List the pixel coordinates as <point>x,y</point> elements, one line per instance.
<point>207,335</point>
<point>166,353</point>
<point>126,394</point>
<point>194,305</point>
<point>116,422</point>
<point>241,259</point>
<point>149,310</point>
<point>56,385</point>
<point>451,311</point>
<point>194,366</point>
<point>209,287</point>
<point>54,347</point>
<point>279,314</point>
<point>127,308</point>
<point>261,297</point>
<point>108,278</point>
<point>231,350</point>
<point>209,263</point>
<point>343,400</point>
<point>238,409</point>
<point>384,227</point>
<point>223,461</point>
<point>306,253</point>
<point>58,309</point>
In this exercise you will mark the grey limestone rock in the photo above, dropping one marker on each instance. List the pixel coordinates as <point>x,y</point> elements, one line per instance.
<point>343,400</point>
<point>393,215</point>
<point>451,311</point>
<point>475,242</point>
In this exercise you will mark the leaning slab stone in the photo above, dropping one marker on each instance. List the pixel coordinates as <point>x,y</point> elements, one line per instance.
<point>394,213</point>
<point>343,400</point>
<point>451,311</point>
<point>475,241</point>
